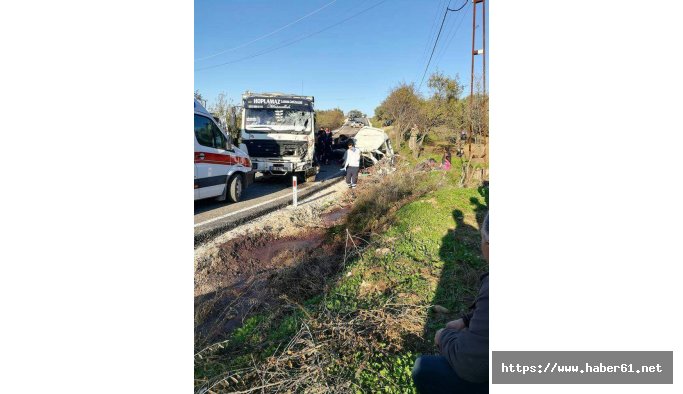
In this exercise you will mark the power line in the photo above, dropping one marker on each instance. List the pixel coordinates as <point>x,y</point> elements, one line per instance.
<point>432,30</point>
<point>448,28</point>
<point>437,39</point>
<point>271,49</point>
<point>458,9</point>
<point>266,35</point>
<point>435,42</point>
<point>451,35</point>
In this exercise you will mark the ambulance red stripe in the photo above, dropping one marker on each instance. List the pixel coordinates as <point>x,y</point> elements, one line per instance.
<point>217,158</point>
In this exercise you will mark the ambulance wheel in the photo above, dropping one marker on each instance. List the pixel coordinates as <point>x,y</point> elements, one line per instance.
<point>235,187</point>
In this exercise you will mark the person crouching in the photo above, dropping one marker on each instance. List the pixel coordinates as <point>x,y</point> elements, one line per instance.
<point>463,363</point>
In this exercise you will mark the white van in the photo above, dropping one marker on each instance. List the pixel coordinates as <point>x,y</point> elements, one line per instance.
<point>220,169</point>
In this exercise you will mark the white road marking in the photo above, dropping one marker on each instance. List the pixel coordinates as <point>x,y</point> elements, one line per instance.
<point>251,207</point>
<point>241,210</point>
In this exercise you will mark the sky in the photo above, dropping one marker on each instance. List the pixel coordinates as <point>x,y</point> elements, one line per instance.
<point>352,65</point>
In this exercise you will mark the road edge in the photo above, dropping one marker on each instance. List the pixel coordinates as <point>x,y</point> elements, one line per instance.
<point>207,235</point>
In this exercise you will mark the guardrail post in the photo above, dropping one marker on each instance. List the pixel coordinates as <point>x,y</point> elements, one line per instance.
<point>294,192</point>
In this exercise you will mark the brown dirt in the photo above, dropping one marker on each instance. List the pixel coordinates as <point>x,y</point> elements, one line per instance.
<point>245,269</point>
<point>287,255</point>
<point>247,257</point>
<point>246,275</point>
<point>335,216</point>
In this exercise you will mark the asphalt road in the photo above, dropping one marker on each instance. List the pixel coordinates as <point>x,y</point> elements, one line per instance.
<point>263,196</point>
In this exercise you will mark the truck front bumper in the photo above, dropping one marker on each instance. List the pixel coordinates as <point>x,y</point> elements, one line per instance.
<point>279,167</point>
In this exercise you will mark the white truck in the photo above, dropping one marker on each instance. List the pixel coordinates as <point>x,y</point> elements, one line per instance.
<point>278,132</point>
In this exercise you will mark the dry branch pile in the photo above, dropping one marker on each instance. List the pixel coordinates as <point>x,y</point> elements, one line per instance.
<point>315,359</point>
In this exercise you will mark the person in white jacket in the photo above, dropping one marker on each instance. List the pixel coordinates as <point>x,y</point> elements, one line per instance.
<point>351,164</point>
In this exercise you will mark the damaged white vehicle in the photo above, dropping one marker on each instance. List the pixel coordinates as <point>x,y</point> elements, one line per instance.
<point>373,143</point>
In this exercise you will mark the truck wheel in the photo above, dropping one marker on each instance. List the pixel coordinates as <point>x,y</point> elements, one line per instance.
<point>234,186</point>
<point>301,177</point>
<point>311,173</point>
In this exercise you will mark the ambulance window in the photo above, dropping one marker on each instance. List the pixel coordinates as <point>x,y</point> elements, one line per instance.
<point>219,139</point>
<point>203,130</point>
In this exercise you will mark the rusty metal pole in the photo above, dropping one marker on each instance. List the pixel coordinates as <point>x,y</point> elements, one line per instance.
<point>474,16</point>
<point>469,136</point>
<point>483,17</point>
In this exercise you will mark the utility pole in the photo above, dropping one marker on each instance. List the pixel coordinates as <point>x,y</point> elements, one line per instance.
<point>474,53</point>
<point>483,45</point>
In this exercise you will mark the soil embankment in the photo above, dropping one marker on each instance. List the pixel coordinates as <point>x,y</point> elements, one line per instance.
<point>252,267</point>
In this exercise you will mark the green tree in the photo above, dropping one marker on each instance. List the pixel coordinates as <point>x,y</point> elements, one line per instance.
<point>476,118</point>
<point>198,97</point>
<point>226,112</point>
<point>330,118</point>
<point>380,114</point>
<point>444,111</point>
<point>437,118</point>
<point>445,88</point>
<point>221,109</point>
<point>402,106</point>
<point>477,112</point>
<point>354,113</point>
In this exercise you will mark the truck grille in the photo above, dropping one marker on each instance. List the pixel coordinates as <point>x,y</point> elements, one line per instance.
<point>272,148</point>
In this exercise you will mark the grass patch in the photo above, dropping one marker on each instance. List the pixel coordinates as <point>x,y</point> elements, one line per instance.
<point>416,243</point>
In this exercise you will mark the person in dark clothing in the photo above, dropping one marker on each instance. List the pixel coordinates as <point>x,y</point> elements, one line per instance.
<point>462,365</point>
<point>433,374</point>
<point>328,145</point>
<point>320,146</point>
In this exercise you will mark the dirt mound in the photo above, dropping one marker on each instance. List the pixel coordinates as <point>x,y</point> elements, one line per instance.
<point>251,273</point>
<point>289,254</point>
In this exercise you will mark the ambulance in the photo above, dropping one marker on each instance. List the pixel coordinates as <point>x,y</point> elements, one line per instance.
<point>221,170</point>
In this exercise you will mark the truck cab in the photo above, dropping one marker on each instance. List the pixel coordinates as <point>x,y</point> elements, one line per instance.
<point>278,132</point>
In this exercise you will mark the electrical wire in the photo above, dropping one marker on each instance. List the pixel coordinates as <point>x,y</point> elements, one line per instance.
<point>451,35</point>
<point>271,49</point>
<point>266,35</point>
<point>437,39</point>
<point>448,28</point>
<point>432,30</point>
<point>461,7</point>
<point>434,47</point>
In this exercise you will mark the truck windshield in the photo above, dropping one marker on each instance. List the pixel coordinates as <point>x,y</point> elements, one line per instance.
<point>268,119</point>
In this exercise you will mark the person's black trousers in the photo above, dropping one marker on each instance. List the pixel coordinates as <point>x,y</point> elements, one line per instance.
<point>351,176</point>
<point>433,375</point>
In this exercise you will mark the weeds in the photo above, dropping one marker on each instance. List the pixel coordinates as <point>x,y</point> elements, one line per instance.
<point>317,357</point>
<point>354,319</point>
<point>376,202</point>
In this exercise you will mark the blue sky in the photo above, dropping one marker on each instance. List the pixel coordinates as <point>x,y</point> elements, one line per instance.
<point>350,66</point>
